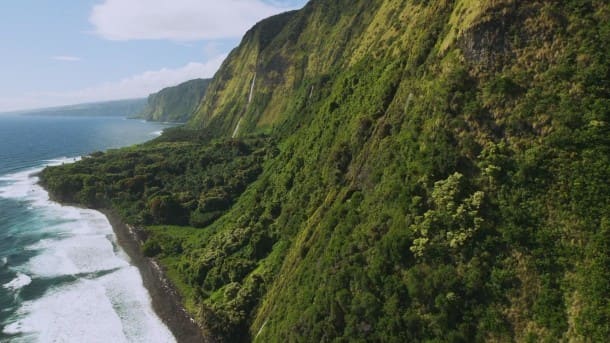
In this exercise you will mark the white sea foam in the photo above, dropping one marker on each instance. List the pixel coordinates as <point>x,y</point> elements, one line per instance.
<point>19,282</point>
<point>157,133</point>
<point>19,184</point>
<point>79,254</point>
<point>78,313</point>
<point>108,309</point>
<point>3,262</point>
<point>23,185</point>
<point>140,323</point>
<point>61,160</point>
<point>114,307</point>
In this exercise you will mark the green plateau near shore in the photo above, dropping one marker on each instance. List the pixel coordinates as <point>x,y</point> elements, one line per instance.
<point>386,171</point>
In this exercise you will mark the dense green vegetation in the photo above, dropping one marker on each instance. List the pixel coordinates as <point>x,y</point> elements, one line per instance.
<point>175,104</point>
<point>438,173</point>
<point>172,182</point>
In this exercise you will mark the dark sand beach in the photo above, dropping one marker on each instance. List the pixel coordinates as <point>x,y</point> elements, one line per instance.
<point>165,299</point>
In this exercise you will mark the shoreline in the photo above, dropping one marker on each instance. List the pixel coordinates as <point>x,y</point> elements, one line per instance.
<point>166,301</point>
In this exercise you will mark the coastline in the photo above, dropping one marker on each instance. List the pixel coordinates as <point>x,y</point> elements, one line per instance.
<point>166,301</point>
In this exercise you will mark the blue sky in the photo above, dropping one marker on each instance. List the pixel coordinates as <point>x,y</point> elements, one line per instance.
<point>65,52</point>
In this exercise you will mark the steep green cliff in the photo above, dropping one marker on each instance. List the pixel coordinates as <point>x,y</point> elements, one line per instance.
<point>175,104</point>
<point>386,170</point>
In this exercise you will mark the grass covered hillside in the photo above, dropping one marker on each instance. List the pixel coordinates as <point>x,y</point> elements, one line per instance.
<point>386,171</point>
<point>175,104</point>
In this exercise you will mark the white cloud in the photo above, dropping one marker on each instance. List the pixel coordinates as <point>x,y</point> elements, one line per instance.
<point>153,81</point>
<point>211,49</point>
<point>65,58</point>
<point>179,20</point>
<point>136,86</point>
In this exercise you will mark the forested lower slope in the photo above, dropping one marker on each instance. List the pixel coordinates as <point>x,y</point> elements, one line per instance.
<point>386,170</point>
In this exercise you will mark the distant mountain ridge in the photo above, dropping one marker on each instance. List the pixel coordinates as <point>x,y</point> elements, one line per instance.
<point>115,108</point>
<point>175,104</point>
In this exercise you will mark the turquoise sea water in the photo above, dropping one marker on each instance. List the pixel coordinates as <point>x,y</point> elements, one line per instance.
<point>63,278</point>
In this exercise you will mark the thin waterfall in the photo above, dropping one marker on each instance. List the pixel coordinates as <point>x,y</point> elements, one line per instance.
<point>236,128</point>
<point>408,103</point>
<point>236,131</point>
<point>252,89</point>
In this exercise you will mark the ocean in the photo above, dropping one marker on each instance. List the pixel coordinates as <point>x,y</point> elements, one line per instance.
<point>63,278</point>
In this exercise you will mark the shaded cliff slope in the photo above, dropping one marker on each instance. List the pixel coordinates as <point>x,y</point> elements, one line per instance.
<point>175,104</point>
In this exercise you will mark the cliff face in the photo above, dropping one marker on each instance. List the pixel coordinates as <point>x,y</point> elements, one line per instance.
<point>175,104</point>
<point>437,171</point>
<point>280,57</point>
<point>292,53</point>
